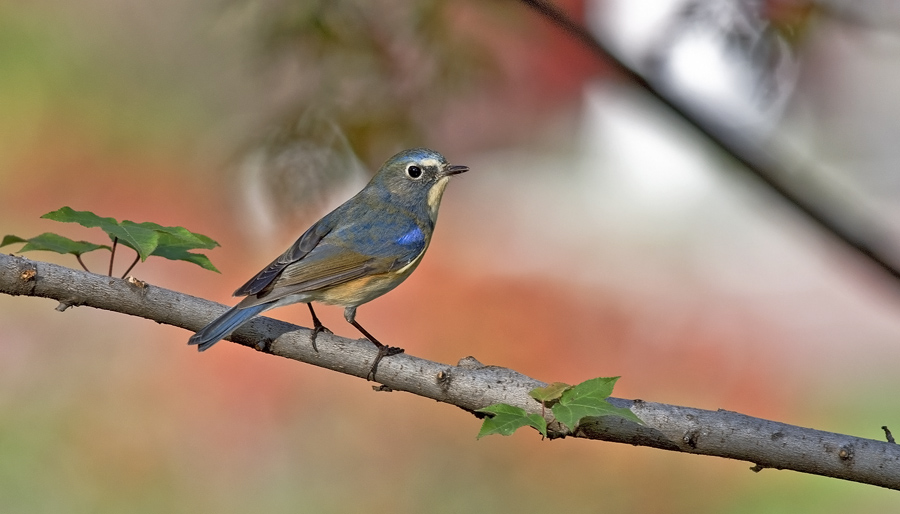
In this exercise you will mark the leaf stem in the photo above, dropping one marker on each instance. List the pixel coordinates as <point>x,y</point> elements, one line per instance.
<point>82,263</point>
<point>113,255</point>
<point>133,264</point>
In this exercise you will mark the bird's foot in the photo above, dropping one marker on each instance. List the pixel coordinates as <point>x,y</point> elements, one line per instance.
<point>383,351</point>
<point>315,334</point>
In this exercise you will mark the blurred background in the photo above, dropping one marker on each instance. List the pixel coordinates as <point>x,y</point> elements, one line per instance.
<point>596,235</point>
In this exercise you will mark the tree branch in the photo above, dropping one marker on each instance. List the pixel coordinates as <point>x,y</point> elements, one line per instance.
<point>472,386</point>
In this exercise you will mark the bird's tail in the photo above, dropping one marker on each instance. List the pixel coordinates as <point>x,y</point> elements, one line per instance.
<point>224,325</point>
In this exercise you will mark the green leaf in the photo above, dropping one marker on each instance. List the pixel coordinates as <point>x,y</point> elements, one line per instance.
<point>177,235</point>
<point>506,419</point>
<point>11,239</point>
<point>572,415</point>
<point>176,247</point>
<point>177,253</point>
<point>550,394</point>
<point>140,239</point>
<point>84,218</point>
<point>589,399</point>
<point>53,243</point>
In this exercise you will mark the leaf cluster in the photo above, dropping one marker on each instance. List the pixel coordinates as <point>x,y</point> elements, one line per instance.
<point>569,404</point>
<point>146,239</point>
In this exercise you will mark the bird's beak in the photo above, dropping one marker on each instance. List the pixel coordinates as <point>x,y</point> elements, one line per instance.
<point>454,169</point>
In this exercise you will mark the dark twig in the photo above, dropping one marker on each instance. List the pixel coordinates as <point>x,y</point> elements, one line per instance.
<point>133,264</point>
<point>78,257</point>
<point>888,435</point>
<point>759,161</point>
<point>112,256</point>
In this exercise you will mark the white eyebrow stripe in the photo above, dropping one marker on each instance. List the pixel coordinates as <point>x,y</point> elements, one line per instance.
<point>430,163</point>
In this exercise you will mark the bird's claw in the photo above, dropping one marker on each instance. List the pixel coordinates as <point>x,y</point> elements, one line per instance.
<point>383,351</point>
<point>315,334</point>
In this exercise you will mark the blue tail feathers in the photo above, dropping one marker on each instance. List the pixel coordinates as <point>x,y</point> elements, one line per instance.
<point>224,325</point>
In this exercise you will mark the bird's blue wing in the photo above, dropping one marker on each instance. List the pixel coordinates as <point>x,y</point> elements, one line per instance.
<point>331,253</point>
<point>397,236</point>
<point>355,250</point>
<point>350,252</point>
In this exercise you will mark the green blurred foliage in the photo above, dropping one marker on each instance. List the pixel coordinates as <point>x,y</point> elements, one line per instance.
<point>59,76</point>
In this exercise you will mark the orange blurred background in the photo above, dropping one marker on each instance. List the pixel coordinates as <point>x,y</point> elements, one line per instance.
<point>706,292</point>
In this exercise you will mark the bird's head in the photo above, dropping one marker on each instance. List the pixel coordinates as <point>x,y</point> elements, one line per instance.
<point>418,175</point>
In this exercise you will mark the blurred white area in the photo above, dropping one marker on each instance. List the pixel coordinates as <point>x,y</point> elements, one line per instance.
<point>831,99</point>
<point>300,173</point>
<point>720,57</point>
<point>636,185</point>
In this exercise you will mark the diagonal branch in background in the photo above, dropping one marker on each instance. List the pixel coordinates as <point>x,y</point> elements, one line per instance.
<point>861,234</point>
<point>471,385</point>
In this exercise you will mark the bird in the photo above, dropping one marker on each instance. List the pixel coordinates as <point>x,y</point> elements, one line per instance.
<point>359,251</point>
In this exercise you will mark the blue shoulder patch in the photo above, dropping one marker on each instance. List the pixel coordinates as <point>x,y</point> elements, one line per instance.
<point>412,237</point>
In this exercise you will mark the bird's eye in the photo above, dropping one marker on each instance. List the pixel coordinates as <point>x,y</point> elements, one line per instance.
<point>414,171</point>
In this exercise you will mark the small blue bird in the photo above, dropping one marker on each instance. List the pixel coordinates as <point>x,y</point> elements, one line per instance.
<point>356,253</point>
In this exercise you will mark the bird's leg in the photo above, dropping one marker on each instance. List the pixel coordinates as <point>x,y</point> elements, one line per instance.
<point>383,349</point>
<point>317,327</point>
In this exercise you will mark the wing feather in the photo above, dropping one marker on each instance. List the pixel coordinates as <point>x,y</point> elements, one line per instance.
<point>301,247</point>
